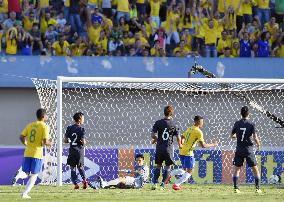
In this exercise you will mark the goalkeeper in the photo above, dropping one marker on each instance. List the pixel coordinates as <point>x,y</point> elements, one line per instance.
<point>141,175</point>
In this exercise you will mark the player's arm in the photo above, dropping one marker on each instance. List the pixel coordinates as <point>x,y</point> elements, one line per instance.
<point>233,135</point>
<point>23,140</point>
<point>234,132</point>
<point>180,140</point>
<point>47,142</point>
<point>66,140</point>
<point>154,137</point>
<point>83,141</point>
<point>205,145</point>
<point>257,141</point>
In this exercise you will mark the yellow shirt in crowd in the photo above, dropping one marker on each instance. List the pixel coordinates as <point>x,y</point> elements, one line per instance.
<point>60,51</point>
<point>155,8</point>
<point>4,7</point>
<point>123,5</point>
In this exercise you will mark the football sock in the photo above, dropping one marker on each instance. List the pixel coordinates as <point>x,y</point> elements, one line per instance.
<point>183,178</point>
<point>30,183</point>
<point>166,173</point>
<point>177,172</point>
<point>156,175</point>
<point>256,181</point>
<point>82,173</point>
<point>73,176</point>
<point>235,180</point>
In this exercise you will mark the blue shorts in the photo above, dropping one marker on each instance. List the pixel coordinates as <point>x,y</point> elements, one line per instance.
<point>32,165</point>
<point>187,161</point>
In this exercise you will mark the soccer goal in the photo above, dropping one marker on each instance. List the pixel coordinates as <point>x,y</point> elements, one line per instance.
<point>120,113</point>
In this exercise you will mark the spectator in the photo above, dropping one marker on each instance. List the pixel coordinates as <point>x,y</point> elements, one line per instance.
<point>46,20</point>
<point>94,30</point>
<point>11,41</point>
<point>8,23</point>
<point>15,6</point>
<point>133,11</point>
<point>235,50</point>
<point>187,37</point>
<point>245,44</point>
<point>141,8</point>
<point>97,16</point>
<point>78,48</point>
<point>61,47</point>
<point>223,42</point>
<point>66,10</point>
<point>114,44</point>
<point>122,10</point>
<point>183,51</point>
<point>170,25</point>
<point>155,49</point>
<point>263,11</point>
<point>227,53</point>
<point>210,39</point>
<point>272,26</point>
<point>155,10</point>
<point>29,21</point>
<point>263,46</point>
<point>3,10</point>
<point>36,42</point>
<point>102,43</point>
<point>25,41</point>
<point>106,7</point>
<point>92,4</point>
<point>50,34</point>
<point>278,51</point>
<point>122,25</point>
<point>74,17</point>
<point>247,10</point>
<point>61,21</point>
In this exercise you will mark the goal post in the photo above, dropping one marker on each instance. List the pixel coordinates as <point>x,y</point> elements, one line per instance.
<point>120,112</point>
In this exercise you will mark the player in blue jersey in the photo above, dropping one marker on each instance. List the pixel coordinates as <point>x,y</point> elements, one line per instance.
<point>75,136</point>
<point>140,172</point>
<point>163,133</point>
<point>244,131</point>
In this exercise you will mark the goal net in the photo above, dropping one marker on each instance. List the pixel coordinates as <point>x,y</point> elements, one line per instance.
<point>120,112</point>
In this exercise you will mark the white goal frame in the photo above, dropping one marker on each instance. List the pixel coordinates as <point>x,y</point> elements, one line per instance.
<point>61,79</point>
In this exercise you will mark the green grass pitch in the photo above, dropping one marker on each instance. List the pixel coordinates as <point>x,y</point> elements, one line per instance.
<point>194,193</point>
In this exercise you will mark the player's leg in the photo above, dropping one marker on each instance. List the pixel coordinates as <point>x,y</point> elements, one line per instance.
<point>20,174</point>
<point>157,169</point>
<point>174,173</point>
<point>72,161</point>
<point>238,163</point>
<point>74,177</point>
<point>251,161</point>
<point>83,176</point>
<point>188,163</point>
<point>35,168</point>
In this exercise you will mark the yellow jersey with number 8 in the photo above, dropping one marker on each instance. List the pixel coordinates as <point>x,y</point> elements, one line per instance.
<point>35,132</point>
<point>192,135</point>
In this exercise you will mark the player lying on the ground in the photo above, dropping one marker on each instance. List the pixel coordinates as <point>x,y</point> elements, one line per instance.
<point>141,175</point>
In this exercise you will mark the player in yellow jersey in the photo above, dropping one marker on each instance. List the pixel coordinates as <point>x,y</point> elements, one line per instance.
<point>189,139</point>
<point>34,136</point>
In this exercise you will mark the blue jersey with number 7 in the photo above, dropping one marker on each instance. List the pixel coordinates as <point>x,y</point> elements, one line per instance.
<point>75,134</point>
<point>166,130</point>
<point>244,129</point>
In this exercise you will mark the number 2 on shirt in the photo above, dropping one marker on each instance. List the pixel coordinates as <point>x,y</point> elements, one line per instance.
<point>74,143</point>
<point>243,135</point>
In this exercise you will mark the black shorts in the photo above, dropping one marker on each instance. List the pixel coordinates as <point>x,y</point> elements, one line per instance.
<point>160,157</point>
<point>250,159</point>
<point>75,158</point>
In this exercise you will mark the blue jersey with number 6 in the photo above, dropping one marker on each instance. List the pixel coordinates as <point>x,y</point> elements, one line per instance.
<point>75,133</point>
<point>166,130</point>
<point>244,129</point>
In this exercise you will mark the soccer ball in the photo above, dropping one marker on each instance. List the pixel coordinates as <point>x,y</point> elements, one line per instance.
<point>273,179</point>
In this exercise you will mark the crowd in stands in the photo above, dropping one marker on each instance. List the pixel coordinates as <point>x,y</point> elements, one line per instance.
<point>178,28</point>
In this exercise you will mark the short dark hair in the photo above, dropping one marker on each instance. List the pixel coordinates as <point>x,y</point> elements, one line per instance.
<point>77,116</point>
<point>244,111</point>
<point>197,118</point>
<point>40,113</point>
<point>168,110</point>
<point>139,156</point>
